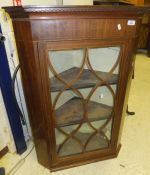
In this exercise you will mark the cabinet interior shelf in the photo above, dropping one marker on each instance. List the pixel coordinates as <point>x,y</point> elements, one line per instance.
<point>86,80</point>
<point>71,112</point>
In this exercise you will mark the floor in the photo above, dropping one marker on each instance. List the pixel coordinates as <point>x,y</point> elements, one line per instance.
<point>134,157</point>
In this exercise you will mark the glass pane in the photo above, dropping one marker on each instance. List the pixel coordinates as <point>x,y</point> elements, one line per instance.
<point>97,142</point>
<point>83,89</point>
<point>70,147</point>
<point>64,63</point>
<point>69,109</point>
<point>60,137</point>
<point>103,59</point>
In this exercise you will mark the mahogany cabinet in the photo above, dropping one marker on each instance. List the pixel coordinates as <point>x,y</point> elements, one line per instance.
<point>76,65</point>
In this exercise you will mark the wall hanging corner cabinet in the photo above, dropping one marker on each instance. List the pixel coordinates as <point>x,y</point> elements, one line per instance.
<point>76,65</point>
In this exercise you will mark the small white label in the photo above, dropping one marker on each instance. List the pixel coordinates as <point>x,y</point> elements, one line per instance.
<point>131,22</point>
<point>101,96</point>
<point>119,26</point>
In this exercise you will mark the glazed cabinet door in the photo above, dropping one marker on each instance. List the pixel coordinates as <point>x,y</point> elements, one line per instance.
<point>83,83</point>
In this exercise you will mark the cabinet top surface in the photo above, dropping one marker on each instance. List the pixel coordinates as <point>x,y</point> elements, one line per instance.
<point>26,11</point>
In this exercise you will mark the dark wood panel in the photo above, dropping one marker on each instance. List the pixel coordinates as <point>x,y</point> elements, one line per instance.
<point>28,58</point>
<point>22,30</point>
<point>144,34</point>
<point>3,151</point>
<point>111,2</point>
<point>86,80</point>
<point>81,29</point>
<point>68,29</point>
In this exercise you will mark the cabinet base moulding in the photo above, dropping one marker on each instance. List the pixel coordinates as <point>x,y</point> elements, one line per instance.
<point>98,158</point>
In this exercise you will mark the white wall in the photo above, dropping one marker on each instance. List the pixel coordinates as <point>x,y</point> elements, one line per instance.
<point>13,61</point>
<point>6,138</point>
<point>48,2</point>
<point>6,3</point>
<point>2,132</point>
<point>31,2</point>
<point>40,2</point>
<point>77,2</point>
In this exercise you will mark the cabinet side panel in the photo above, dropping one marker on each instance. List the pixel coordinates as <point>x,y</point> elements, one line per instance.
<point>123,92</point>
<point>28,57</point>
<point>132,52</point>
<point>129,62</point>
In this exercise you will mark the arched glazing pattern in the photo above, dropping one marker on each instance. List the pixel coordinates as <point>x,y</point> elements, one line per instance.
<point>83,89</point>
